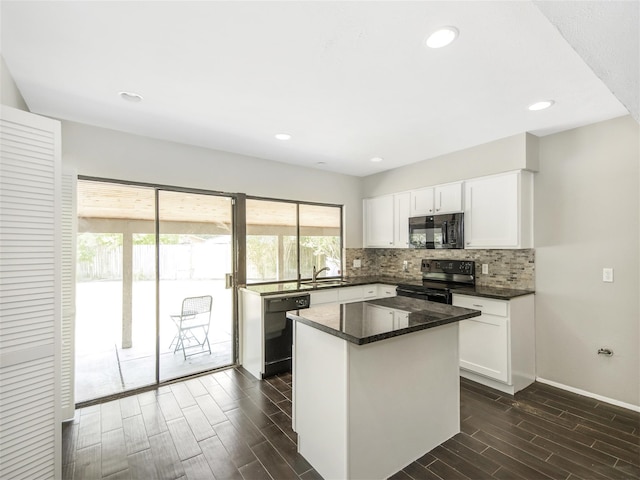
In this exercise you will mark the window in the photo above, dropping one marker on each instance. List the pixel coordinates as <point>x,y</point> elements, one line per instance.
<point>285,240</point>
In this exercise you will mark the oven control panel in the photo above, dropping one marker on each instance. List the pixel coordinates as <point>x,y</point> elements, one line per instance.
<point>459,267</point>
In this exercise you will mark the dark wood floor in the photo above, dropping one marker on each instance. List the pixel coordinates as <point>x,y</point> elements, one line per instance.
<point>228,425</point>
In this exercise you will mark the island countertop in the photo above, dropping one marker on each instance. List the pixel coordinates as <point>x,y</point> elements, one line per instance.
<point>375,320</point>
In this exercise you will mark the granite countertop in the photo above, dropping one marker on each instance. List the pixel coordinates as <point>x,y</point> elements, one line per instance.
<point>373,320</point>
<point>306,286</point>
<point>498,293</point>
<point>301,287</point>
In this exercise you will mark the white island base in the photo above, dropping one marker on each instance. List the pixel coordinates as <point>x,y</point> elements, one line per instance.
<point>367,411</point>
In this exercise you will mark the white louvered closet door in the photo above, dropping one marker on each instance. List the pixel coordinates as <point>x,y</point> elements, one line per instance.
<point>30,300</point>
<point>69,226</point>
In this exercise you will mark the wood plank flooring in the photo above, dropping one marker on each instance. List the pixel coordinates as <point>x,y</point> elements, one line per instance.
<point>227,425</point>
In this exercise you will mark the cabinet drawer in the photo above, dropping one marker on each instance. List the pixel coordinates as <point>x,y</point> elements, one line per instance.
<point>385,291</point>
<point>485,305</point>
<point>370,291</point>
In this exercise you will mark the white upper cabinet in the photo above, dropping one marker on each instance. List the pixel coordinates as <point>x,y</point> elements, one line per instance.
<point>378,221</point>
<point>499,211</point>
<point>422,202</point>
<point>435,200</point>
<point>401,214</point>
<point>386,221</point>
<point>448,198</point>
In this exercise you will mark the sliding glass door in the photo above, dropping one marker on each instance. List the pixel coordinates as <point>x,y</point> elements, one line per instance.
<point>141,251</point>
<point>195,295</point>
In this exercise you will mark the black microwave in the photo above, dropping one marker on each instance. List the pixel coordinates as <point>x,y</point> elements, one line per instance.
<point>437,231</point>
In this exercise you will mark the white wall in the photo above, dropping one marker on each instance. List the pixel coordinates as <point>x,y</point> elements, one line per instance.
<point>100,152</point>
<point>586,218</point>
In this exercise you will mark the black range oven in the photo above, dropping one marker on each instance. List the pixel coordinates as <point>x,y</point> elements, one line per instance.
<point>439,280</point>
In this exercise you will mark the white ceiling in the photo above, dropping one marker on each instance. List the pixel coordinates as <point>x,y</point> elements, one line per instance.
<point>348,80</point>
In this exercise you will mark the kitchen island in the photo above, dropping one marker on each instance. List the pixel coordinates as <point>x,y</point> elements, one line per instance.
<point>375,384</point>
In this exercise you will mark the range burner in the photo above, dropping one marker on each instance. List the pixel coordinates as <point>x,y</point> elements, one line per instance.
<point>439,278</point>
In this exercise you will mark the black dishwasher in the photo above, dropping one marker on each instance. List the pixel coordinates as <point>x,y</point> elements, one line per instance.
<point>278,332</point>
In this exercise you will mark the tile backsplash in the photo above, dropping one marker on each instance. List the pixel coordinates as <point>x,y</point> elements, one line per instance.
<point>507,268</point>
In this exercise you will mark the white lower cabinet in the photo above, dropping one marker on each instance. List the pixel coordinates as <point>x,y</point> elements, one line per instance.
<point>329,295</point>
<point>382,319</point>
<point>385,291</point>
<point>379,319</point>
<point>497,348</point>
<point>356,293</point>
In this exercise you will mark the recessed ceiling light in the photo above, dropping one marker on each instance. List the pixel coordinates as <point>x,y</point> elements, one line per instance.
<point>376,159</point>
<point>541,105</point>
<point>442,37</point>
<point>282,136</point>
<point>131,97</point>
<point>321,163</point>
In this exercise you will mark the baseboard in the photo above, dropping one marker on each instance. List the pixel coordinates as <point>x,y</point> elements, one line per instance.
<point>628,406</point>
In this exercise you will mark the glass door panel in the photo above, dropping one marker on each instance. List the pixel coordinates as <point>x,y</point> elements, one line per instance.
<point>195,257</point>
<point>115,326</point>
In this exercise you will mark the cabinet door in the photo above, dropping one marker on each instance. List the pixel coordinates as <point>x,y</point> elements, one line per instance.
<point>325,296</point>
<point>484,346</point>
<point>378,221</point>
<point>448,198</point>
<point>422,202</point>
<point>350,294</point>
<point>402,211</point>
<point>491,212</point>
<point>377,319</point>
<point>400,319</point>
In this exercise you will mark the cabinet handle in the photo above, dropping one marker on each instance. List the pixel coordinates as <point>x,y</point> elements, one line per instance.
<point>476,305</point>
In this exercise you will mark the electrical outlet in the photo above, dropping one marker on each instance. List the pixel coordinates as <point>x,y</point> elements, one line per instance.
<point>405,266</point>
<point>357,263</point>
<point>607,274</point>
<point>485,268</point>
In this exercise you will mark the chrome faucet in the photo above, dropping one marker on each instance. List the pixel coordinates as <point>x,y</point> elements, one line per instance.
<point>316,272</point>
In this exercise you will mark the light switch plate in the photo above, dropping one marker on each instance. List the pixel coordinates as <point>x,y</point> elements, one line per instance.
<point>607,274</point>
<point>485,268</point>
<point>357,263</point>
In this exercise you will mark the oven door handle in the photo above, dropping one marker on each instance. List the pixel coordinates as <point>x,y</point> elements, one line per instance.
<point>436,294</point>
<point>400,291</point>
<point>425,293</point>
